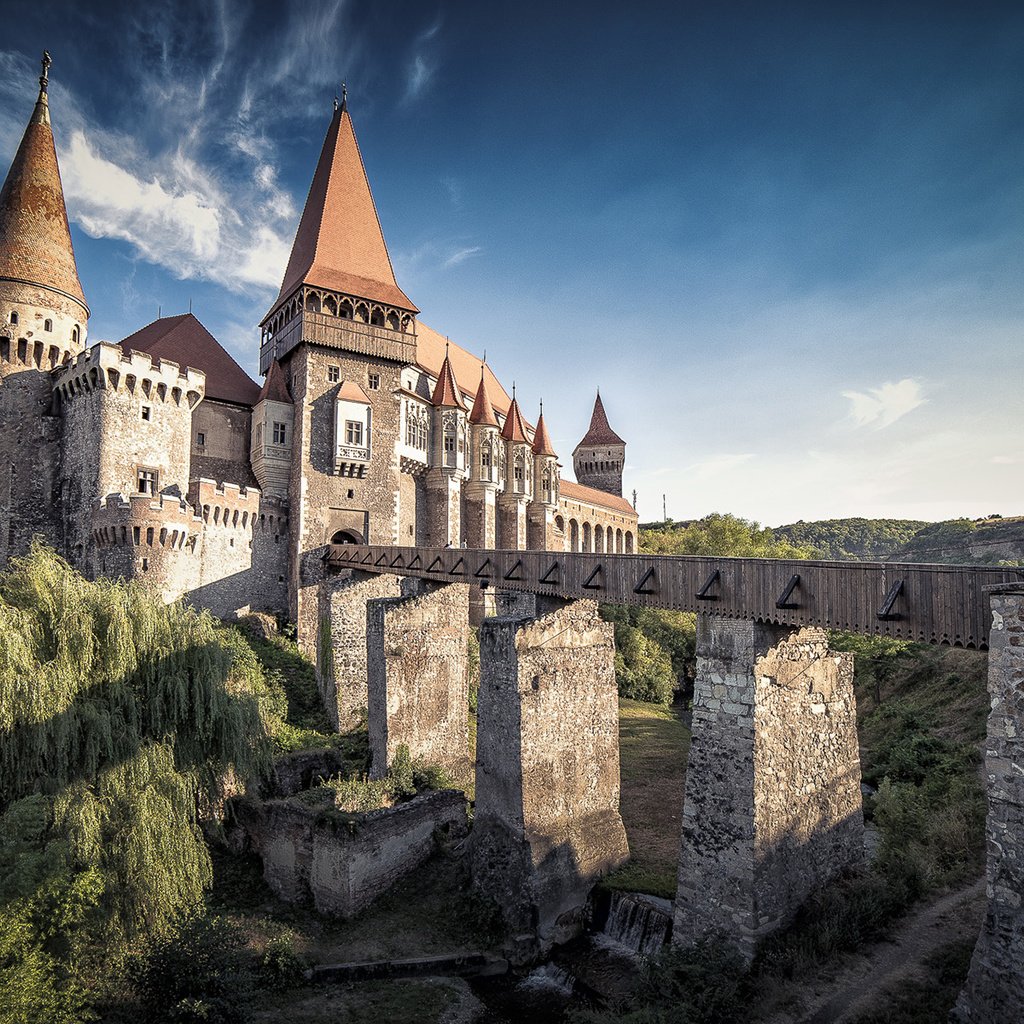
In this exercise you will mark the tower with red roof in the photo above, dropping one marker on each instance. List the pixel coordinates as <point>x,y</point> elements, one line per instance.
<point>599,458</point>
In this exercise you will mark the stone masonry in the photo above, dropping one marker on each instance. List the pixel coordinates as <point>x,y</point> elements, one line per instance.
<point>417,678</point>
<point>773,802</point>
<point>994,993</point>
<point>546,824</point>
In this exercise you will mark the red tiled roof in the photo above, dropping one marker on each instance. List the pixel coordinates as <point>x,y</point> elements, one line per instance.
<point>514,429</point>
<point>600,432</point>
<point>339,243</point>
<point>483,411</point>
<point>275,387</point>
<point>592,496</point>
<point>350,391</point>
<point>35,239</point>
<point>542,439</point>
<point>431,348</point>
<point>446,391</point>
<point>184,340</point>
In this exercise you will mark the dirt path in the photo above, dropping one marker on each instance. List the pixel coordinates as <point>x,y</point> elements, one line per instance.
<point>861,981</point>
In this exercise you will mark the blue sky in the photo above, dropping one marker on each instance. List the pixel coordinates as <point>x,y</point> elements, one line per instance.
<point>784,241</point>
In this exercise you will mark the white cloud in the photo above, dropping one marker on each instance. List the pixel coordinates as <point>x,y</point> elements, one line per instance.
<point>418,77</point>
<point>461,255</point>
<point>1003,460</point>
<point>884,405</point>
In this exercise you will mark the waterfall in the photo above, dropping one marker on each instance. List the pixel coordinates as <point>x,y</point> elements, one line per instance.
<point>639,922</point>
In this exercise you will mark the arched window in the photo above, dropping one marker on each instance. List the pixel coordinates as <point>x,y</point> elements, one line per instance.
<point>345,309</point>
<point>574,535</point>
<point>312,303</point>
<point>47,325</point>
<point>629,542</point>
<point>599,539</point>
<point>586,537</point>
<point>330,306</point>
<point>377,317</point>
<point>618,541</point>
<point>14,318</point>
<point>347,537</point>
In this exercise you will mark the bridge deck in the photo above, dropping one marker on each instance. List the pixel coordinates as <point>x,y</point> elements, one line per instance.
<point>944,604</point>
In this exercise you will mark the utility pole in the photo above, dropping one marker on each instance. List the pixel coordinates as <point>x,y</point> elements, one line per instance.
<point>664,508</point>
<point>634,499</point>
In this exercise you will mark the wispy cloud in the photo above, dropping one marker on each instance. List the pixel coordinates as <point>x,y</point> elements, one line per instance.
<point>423,64</point>
<point>882,406</point>
<point>461,255</point>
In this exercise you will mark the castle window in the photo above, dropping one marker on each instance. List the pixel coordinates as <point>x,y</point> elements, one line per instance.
<point>14,318</point>
<point>449,443</point>
<point>353,433</point>
<point>200,440</point>
<point>147,413</point>
<point>47,325</point>
<point>75,334</point>
<point>147,481</point>
<point>333,374</point>
<point>280,433</point>
<point>374,381</point>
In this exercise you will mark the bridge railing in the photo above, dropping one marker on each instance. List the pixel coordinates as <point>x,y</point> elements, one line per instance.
<point>944,604</point>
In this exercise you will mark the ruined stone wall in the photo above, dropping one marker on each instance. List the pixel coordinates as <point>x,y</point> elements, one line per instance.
<point>345,861</point>
<point>341,664</point>
<point>773,804</point>
<point>321,501</point>
<point>994,992</point>
<point>225,430</point>
<point>546,823</point>
<point>417,678</point>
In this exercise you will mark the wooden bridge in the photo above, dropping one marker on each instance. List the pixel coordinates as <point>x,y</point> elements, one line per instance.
<point>942,604</point>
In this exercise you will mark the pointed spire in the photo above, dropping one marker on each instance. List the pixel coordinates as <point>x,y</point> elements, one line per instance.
<point>600,432</point>
<point>446,391</point>
<point>483,411</point>
<point>35,238</point>
<point>541,438</point>
<point>514,429</point>
<point>275,387</point>
<point>339,243</point>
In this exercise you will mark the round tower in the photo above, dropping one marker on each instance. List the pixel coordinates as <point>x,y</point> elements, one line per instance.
<point>541,513</point>
<point>518,479</point>
<point>600,456</point>
<point>487,470</point>
<point>43,323</point>
<point>448,460</point>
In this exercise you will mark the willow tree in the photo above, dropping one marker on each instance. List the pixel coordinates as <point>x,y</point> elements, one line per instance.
<point>118,715</point>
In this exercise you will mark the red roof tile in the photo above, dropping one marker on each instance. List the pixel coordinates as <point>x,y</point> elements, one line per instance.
<point>275,387</point>
<point>431,349</point>
<point>350,391</point>
<point>483,411</point>
<point>542,439</point>
<point>446,391</point>
<point>600,432</point>
<point>514,429</point>
<point>592,496</point>
<point>35,239</point>
<point>184,340</point>
<point>339,243</point>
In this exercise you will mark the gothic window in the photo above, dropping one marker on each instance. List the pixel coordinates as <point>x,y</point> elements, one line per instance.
<point>75,334</point>
<point>449,443</point>
<point>353,433</point>
<point>147,481</point>
<point>377,317</point>
<point>330,306</point>
<point>333,374</point>
<point>374,381</point>
<point>362,312</point>
<point>345,309</point>
<point>393,321</point>
<point>485,457</point>
<point>280,433</point>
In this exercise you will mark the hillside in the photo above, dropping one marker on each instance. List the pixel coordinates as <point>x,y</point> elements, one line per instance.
<point>852,540</point>
<point>981,542</point>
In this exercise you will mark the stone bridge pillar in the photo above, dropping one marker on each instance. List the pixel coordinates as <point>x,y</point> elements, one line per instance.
<point>341,667</point>
<point>773,801</point>
<point>994,993</point>
<point>417,675</point>
<point>546,824</point>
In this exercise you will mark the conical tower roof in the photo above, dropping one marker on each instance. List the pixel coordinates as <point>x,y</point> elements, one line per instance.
<point>600,432</point>
<point>339,244</point>
<point>446,391</point>
<point>35,238</point>
<point>483,411</point>
<point>514,430</point>
<point>542,439</point>
<point>275,387</point>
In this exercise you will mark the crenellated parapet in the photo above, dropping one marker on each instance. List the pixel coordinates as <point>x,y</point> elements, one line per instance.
<point>227,506</point>
<point>138,374</point>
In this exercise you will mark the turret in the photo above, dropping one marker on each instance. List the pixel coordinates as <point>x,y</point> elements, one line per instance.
<point>448,459</point>
<point>487,472</point>
<point>518,479</point>
<point>43,322</point>
<point>599,458</point>
<point>542,509</point>
<point>273,420</point>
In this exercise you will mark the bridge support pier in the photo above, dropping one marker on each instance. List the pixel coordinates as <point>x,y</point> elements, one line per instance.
<point>341,667</point>
<point>994,992</point>
<point>546,825</point>
<point>417,677</point>
<point>773,801</point>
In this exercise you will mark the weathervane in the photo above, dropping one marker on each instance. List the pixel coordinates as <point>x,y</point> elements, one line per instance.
<point>45,76</point>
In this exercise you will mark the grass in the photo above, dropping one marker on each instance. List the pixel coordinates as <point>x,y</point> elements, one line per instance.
<point>653,746</point>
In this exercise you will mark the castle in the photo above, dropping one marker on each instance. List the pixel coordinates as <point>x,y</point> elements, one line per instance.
<point>159,459</point>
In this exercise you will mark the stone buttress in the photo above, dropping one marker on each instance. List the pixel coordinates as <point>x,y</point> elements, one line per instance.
<point>417,676</point>
<point>994,992</point>
<point>546,824</point>
<point>773,800</point>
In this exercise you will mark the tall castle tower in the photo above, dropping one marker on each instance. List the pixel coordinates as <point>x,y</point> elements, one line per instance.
<point>342,330</point>
<point>600,456</point>
<point>43,324</point>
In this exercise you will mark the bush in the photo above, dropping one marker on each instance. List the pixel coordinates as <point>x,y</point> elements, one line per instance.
<point>281,967</point>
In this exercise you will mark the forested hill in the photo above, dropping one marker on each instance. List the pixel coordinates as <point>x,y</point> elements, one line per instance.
<point>852,540</point>
<point>992,541</point>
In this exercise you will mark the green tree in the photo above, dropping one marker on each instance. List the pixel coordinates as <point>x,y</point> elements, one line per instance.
<point>720,534</point>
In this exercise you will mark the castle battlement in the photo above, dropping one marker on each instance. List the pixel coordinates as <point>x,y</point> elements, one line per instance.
<point>226,505</point>
<point>164,520</point>
<point>109,367</point>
